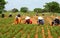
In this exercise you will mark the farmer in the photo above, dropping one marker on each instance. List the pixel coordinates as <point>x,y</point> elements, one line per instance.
<point>56,21</point>
<point>17,20</point>
<point>40,20</point>
<point>10,15</point>
<point>3,15</point>
<point>28,20</point>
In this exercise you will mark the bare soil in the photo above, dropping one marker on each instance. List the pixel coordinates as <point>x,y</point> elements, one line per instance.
<point>43,32</point>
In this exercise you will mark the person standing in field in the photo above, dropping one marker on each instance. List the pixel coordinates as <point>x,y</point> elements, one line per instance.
<point>3,15</point>
<point>40,20</point>
<point>56,21</point>
<point>28,20</point>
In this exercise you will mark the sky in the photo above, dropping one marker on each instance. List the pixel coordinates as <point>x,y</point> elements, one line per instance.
<point>31,4</point>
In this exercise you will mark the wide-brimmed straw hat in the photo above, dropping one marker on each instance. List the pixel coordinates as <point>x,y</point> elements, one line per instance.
<point>27,17</point>
<point>41,18</point>
<point>56,17</point>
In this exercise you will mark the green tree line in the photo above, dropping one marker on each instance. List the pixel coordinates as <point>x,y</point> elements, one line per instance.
<point>48,7</point>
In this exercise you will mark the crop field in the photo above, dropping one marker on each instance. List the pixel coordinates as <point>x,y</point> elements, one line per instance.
<point>10,30</point>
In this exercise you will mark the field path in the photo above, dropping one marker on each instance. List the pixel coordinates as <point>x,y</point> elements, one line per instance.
<point>28,36</point>
<point>43,32</point>
<point>58,37</point>
<point>36,35</point>
<point>49,34</point>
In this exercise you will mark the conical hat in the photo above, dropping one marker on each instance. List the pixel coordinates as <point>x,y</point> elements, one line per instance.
<point>56,17</point>
<point>41,18</point>
<point>27,17</point>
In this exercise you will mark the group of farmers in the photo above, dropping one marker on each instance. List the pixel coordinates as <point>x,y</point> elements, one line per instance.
<point>40,20</point>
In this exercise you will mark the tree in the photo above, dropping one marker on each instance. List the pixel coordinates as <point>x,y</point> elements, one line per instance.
<point>14,10</point>
<point>24,9</point>
<point>2,5</point>
<point>43,10</point>
<point>5,10</point>
<point>38,10</point>
<point>52,7</point>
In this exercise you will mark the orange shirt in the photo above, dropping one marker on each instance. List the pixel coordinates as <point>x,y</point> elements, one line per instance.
<point>18,20</point>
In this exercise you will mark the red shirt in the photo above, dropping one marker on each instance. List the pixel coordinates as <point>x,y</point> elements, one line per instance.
<point>28,21</point>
